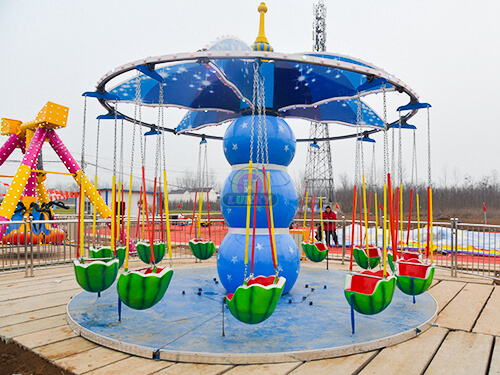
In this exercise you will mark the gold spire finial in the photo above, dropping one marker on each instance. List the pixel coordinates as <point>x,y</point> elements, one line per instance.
<point>261,38</point>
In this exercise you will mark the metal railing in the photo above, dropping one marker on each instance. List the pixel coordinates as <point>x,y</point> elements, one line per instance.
<point>459,247</point>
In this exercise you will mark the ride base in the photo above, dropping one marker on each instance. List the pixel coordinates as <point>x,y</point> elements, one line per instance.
<point>311,322</point>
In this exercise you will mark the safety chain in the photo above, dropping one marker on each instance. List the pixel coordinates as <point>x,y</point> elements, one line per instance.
<point>400,153</point>
<point>83,132</point>
<point>429,145</point>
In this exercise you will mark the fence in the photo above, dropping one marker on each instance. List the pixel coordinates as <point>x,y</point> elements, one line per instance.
<point>459,247</point>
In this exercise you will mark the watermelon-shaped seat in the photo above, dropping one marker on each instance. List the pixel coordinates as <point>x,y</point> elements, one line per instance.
<point>143,288</point>
<point>316,251</point>
<point>255,301</point>
<point>201,248</point>
<point>369,292</point>
<point>367,261</point>
<point>414,277</point>
<point>96,275</point>
<point>105,252</point>
<point>144,251</point>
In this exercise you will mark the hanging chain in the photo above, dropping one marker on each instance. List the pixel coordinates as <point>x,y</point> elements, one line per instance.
<point>374,167</point>
<point>254,101</point>
<point>264,122</point>
<point>400,153</point>
<point>121,154</point>
<point>83,132</point>
<point>114,139</point>
<point>414,160</point>
<point>97,146</point>
<point>199,169</point>
<point>158,140</point>
<point>357,176</point>
<point>136,108</point>
<point>206,181</point>
<point>386,139</point>
<point>393,151</point>
<point>260,143</point>
<point>429,145</point>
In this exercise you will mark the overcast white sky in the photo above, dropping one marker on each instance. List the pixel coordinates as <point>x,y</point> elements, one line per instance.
<point>446,50</point>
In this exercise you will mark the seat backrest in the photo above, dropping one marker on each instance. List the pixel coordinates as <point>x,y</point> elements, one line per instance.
<point>366,281</point>
<point>413,269</point>
<point>261,280</point>
<point>320,246</point>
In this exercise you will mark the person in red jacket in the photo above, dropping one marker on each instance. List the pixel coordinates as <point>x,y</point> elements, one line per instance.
<point>330,227</point>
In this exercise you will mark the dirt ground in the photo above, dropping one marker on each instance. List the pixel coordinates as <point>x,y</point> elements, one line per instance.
<point>15,360</point>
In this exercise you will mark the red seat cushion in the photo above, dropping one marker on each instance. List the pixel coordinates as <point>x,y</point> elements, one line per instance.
<point>229,296</point>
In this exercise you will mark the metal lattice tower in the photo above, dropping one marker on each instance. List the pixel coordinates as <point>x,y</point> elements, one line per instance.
<point>319,171</point>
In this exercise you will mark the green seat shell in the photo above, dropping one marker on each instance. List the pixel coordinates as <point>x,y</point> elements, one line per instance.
<point>256,301</point>
<point>365,261</point>
<point>143,288</point>
<point>105,252</point>
<point>421,273</point>
<point>316,251</point>
<point>144,251</point>
<point>201,248</point>
<point>371,292</point>
<point>96,275</point>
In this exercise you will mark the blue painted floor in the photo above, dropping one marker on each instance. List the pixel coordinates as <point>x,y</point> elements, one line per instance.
<point>193,323</point>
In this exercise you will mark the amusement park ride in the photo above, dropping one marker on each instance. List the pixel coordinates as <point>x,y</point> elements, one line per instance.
<point>255,89</point>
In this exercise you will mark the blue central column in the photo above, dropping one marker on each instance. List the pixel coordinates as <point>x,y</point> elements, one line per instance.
<point>231,254</point>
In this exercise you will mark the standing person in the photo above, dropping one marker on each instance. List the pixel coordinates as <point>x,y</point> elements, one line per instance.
<point>330,227</point>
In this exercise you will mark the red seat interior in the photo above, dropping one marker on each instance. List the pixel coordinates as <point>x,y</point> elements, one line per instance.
<point>366,285</point>
<point>261,280</point>
<point>373,252</point>
<point>229,296</point>
<point>407,255</point>
<point>320,246</point>
<point>413,268</point>
<point>150,270</point>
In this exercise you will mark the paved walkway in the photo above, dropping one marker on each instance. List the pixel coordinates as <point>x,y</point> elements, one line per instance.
<point>33,314</point>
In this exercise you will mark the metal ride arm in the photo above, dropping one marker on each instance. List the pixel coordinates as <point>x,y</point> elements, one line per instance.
<point>11,127</point>
<point>73,167</point>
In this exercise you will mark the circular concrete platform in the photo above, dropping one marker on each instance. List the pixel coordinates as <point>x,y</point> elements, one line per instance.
<point>311,322</point>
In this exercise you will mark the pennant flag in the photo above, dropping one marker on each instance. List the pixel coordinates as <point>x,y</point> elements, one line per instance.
<point>484,207</point>
<point>380,206</point>
<point>337,206</point>
<point>179,206</point>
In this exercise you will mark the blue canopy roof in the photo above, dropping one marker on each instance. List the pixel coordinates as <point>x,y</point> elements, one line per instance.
<point>318,87</point>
